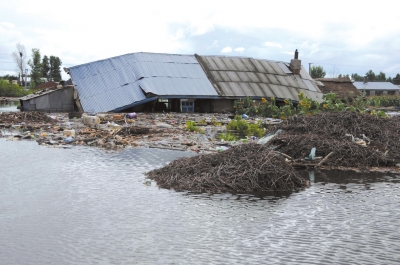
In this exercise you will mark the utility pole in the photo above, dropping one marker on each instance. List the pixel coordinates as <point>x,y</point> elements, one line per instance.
<point>26,77</point>
<point>22,70</point>
<point>309,68</point>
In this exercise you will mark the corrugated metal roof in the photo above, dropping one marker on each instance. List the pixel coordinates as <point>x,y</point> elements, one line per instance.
<point>239,76</point>
<point>116,82</point>
<point>375,86</point>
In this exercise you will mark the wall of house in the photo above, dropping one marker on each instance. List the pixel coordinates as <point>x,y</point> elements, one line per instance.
<point>58,101</point>
<point>223,105</point>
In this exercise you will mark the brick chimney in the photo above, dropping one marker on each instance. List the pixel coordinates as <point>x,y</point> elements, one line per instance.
<point>295,64</point>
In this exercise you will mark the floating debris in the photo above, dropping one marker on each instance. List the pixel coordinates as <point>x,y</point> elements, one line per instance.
<point>248,167</point>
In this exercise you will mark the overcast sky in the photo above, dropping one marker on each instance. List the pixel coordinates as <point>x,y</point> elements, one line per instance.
<point>342,36</point>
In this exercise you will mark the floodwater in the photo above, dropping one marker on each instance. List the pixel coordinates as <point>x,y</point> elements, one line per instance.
<point>89,206</point>
<point>9,106</point>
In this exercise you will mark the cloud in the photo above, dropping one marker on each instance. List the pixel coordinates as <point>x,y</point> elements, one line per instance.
<point>273,44</point>
<point>226,50</point>
<point>239,49</point>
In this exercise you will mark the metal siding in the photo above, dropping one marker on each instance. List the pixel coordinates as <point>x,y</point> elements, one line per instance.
<point>375,86</point>
<point>138,70</point>
<point>110,79</point>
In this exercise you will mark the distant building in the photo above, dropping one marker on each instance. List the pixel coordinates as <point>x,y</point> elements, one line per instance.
<point>377,88</point>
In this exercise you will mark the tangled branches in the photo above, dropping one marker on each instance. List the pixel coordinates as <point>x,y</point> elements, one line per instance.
<point>329,132</point>
<point>243,168</point>
<point>29,116</point>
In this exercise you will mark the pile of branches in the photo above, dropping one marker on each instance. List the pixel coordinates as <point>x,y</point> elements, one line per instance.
<point>247,167</point>
<point>29,116</point>
<point>335,134</point>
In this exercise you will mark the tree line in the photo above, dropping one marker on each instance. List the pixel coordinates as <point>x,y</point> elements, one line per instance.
<point>370,76</point>
<point>48,67</point>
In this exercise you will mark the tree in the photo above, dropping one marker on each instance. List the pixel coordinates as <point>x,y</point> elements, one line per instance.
<point>36,68</point>
<point>334,72</point>
<point>19,57</point>
<point>371,76</point>
<point>381,77</point>
<point>341,76</point>
<point>55,69</point>
<point>357,77</point>
<point>317,72</point>
<point>45,67</point>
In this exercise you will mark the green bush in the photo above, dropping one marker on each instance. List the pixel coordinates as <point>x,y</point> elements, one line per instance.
<point>243,129</point>
<point>8,89</point>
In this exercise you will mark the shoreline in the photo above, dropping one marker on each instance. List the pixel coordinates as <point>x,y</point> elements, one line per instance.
<point>148,130</point>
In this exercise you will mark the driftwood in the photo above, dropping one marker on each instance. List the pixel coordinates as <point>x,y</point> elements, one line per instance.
<point>29,116</point>
<point>247,167</point>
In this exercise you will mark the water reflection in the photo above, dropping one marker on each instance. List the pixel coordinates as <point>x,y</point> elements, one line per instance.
<point>9,106</point>
<point>86,206</point>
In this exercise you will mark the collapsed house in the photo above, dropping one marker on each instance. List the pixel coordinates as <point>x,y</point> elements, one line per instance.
<point>343,87</point>
<point>185,83</point>
<point>54,98</point>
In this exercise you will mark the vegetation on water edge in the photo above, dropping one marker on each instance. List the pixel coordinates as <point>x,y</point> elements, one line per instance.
<point>8,89</point>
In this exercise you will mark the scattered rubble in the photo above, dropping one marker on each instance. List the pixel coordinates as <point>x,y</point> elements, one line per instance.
<point>116,131</point>
<point>248,167</point>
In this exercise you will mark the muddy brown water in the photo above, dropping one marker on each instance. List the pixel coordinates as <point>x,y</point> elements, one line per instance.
<point>9,106</point>
<point>89,206</point>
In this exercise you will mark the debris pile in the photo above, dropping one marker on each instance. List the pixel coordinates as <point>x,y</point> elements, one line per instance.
<point>247,167</point>
<point>350,139</point>
<point>30,116</point>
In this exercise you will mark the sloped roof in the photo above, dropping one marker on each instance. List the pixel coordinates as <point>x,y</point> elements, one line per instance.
<point>375,86</point>
<point>240,77</point>
<point>120,81</point>
<point>342,87</point>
